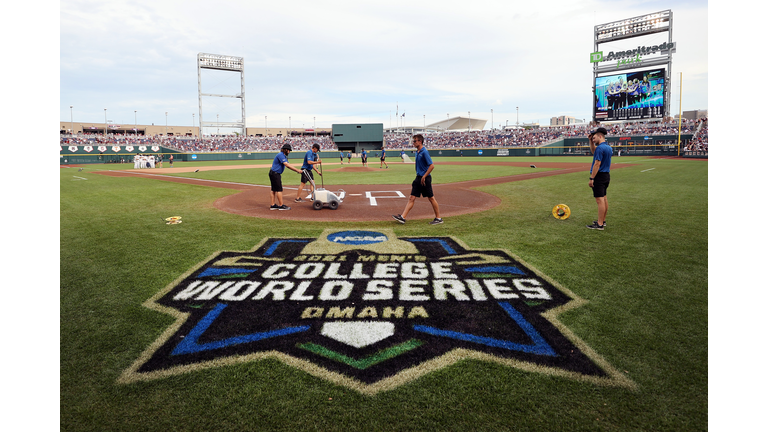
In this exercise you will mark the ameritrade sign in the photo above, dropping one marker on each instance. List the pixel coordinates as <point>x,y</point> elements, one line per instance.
<point>368,310</point>
<point>633,55</point>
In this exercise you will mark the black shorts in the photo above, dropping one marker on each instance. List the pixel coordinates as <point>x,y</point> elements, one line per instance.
<point>418,190</point>
<point>600,184</point>
<point>276,181</point>
<point>304,178</point>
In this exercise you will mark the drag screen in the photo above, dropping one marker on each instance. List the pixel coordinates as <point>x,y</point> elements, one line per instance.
<point>627,96</point>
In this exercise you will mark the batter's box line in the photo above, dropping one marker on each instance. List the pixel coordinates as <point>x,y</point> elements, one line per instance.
<point>368,194</point>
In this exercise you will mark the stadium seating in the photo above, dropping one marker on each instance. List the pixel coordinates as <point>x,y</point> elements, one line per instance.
<point>394,141</point>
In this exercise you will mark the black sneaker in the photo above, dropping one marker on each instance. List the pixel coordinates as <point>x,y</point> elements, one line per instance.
<point>436,221</point>
<point>399,218</point>
<point>283,207</point>
<point>274,207</point>
<point>596,226</point>
<point>605,223</point>
<point>298,200</point>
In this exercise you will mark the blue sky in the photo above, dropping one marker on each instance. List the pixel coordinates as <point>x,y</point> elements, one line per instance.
<point>312,63</point>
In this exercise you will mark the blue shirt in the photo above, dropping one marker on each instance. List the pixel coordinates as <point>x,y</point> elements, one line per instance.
<point>310,156</point>
<point>423,161</point>
<point>603,153</point>
<point>277,164</point>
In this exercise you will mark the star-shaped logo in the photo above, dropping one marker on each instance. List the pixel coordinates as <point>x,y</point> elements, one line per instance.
<point>368,310</point>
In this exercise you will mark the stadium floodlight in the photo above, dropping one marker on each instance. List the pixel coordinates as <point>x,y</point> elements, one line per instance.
<point>632,27</point>
<point>223,63</point>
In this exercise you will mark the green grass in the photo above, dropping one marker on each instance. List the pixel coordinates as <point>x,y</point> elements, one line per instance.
<point>645,280</point>
<point>397,173</point>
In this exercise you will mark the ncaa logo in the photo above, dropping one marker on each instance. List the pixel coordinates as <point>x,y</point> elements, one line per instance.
<point>357,237</point>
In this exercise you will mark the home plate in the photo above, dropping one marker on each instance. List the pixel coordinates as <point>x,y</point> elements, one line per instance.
<point>358,333</point>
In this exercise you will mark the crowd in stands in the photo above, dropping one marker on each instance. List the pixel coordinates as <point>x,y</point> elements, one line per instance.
<point>437,140</point>
<point>700,142</point>
<point>245,143</point>
<point>474,139</point>
<point>226,143</point>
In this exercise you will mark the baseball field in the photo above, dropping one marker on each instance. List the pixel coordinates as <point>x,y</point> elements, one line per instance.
<point>626,323</point>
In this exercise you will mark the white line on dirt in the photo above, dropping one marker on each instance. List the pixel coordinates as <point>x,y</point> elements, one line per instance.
<point>192,178</point>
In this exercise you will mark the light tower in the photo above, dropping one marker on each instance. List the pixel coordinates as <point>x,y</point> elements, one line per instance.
<point>223,63</point>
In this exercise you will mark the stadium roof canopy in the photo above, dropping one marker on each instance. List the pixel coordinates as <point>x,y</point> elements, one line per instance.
<point>452,124</point>
<point>458,123</point>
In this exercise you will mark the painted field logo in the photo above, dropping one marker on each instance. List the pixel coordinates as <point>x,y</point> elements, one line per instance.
<point>368,310</point>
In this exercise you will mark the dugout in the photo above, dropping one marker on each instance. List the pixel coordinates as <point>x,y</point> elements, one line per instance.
<point>630,145</point>
<point>358,136</point>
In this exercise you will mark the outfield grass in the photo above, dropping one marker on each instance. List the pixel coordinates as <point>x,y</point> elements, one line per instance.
<point>644,277</point>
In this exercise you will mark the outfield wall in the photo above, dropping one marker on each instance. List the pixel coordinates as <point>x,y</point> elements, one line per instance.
<point>657,145</point>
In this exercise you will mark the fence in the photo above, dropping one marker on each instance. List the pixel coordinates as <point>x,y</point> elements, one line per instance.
<point>657,145</point>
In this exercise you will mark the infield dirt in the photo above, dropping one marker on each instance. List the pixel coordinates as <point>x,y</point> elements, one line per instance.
<point>362,202</point>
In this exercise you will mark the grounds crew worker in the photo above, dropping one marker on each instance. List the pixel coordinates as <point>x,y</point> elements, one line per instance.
<point>311,159</point>
<point>278,166</point>
<point>422,185</point>
<point>600,174</point>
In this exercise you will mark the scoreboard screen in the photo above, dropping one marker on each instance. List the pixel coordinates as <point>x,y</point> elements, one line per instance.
<point>630,96</point>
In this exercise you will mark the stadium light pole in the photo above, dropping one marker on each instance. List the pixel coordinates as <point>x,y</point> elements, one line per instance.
<point>135,123</point>
<point>517,109</point>
<point>491,119</point>
<point>105,123</point>
<point>71,122</point>
<point>469,125</point>
<point>193,122</point>
<point>166,124</point>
